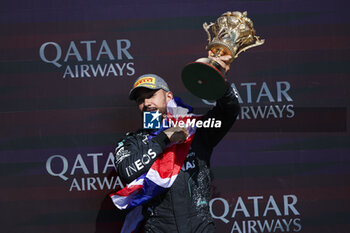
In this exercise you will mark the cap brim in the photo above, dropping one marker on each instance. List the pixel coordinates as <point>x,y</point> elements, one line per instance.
<point>132,93</point>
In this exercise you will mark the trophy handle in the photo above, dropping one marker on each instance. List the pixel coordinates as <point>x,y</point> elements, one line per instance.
<point>258,42</point>
<point>206,28</point>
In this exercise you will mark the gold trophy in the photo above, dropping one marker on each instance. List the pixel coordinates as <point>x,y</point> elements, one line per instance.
<point>233,33</point>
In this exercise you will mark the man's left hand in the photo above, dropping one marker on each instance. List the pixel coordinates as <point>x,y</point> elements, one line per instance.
<point>222,60</point>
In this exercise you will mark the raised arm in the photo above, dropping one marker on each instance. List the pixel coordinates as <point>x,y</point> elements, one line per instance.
<point>226,110</point>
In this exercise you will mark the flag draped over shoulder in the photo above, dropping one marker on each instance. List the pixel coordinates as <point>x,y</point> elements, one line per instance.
<point>162,173</point>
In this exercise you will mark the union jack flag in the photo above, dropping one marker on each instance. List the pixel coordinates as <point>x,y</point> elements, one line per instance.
<point>160,176</point>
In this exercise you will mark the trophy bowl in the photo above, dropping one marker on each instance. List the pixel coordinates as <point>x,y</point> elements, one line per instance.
<point>233,33</point>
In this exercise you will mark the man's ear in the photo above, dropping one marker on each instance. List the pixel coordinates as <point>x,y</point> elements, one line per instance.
<point>169,96</point>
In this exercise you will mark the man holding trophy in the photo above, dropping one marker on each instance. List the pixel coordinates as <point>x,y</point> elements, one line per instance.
<point>168,169</point>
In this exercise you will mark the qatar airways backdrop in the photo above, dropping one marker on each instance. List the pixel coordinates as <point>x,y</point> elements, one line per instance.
<point>66,68</point>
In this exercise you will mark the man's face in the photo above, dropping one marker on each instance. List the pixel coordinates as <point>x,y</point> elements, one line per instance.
<point>153,100</point>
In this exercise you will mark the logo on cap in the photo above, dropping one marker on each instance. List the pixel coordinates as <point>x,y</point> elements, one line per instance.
<point>145,81</point>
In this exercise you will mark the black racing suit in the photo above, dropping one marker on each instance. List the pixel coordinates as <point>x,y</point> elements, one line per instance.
<point>185,206</point>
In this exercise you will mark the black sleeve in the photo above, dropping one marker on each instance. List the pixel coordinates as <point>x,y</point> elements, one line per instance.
<point>226,111</point>
<point>135,154</point>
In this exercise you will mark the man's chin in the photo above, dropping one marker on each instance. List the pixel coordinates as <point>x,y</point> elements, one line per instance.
<point>151,110</point>
<point>164,115</point>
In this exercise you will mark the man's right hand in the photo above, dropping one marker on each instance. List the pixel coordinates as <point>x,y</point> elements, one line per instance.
<point>176,134</point>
